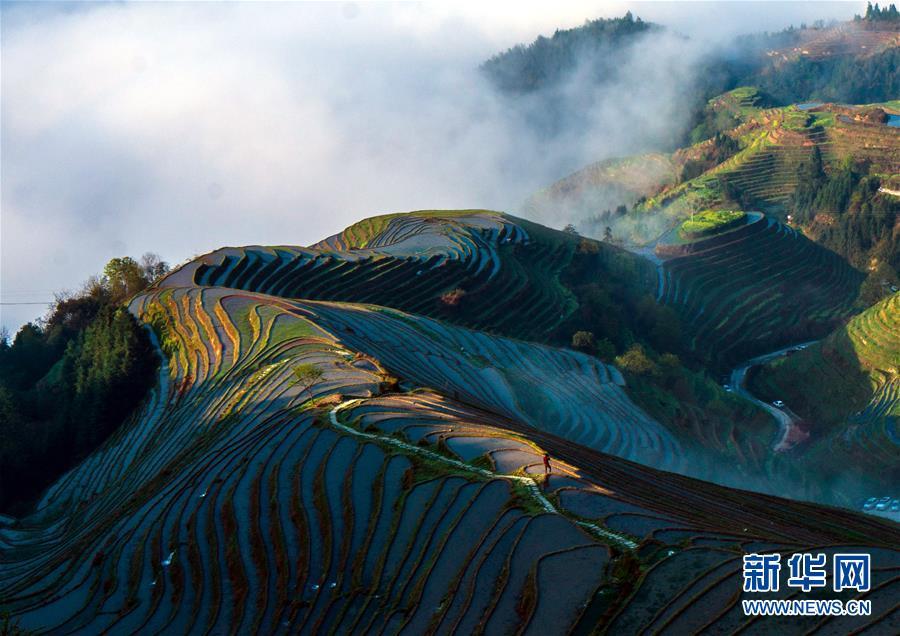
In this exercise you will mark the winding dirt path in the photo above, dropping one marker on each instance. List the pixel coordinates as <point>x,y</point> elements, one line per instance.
<point>532,486</point>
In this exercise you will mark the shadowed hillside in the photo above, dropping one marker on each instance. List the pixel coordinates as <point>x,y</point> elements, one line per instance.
<point>858,415</point>
<point>475,268</point>
<point>309,465</point>
<point>278,481</point>
<point>465,267</point>
<point>754,289</point>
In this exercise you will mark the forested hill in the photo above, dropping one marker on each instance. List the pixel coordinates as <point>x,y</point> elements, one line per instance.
<point>850,62</point>
<point>547,61</point>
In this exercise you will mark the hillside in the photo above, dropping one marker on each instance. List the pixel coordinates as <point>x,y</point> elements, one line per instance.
<point>661,397</point>
<point>547,62</point>
<point>293,471</point>
<point>729,301</point>
<point>604,186</point>
<point>770,145</point>
<point>826,169</point>
<point>858,415</point>
<point>842,61</point>
<point>754,288</point>
<point>493,262</point>
<point>548,79</point>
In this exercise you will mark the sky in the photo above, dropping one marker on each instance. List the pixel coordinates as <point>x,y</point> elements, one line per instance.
<point>179,128</point>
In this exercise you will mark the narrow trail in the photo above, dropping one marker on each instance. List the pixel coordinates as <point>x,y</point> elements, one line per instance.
<point>786,418</point>
<point>528,482</point>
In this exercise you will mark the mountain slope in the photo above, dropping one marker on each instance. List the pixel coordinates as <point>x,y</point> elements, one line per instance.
<point>754,289</point>
<point>411,262</point>
<point>858,416</point>
<point>245,498</point>
<point>771,145</point>
<point>479,269</point>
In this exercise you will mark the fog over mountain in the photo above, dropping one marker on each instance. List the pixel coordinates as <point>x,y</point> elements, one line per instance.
<point>179,128</point>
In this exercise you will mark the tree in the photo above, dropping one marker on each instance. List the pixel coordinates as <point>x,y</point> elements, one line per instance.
<point>153,267</point>
<point>607,234</point>
<point>636,361</point>
<point>583,341</point>
<point>123,277</point>
<point>63,392</point>
<point>570,229</point>
<point>105,373</point>
<point>306,375</point>
<point>666,330</point>
<point>70,380</point>
<point>74,312</point>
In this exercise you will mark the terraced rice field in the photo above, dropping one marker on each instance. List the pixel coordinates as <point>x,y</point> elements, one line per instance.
<point>239,500</point>
<point>226,505</point>
<point>409,262</point>
<point>754,289</point>
<point>573,395</point>
<point>779,141</point>
<point>878,144</point>
<point>774,145</point>
<point>843,39</point>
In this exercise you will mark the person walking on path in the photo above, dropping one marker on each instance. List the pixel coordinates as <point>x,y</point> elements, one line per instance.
<point>547,468</point>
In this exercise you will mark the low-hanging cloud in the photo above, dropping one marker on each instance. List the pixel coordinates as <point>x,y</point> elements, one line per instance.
<point>179,128</point>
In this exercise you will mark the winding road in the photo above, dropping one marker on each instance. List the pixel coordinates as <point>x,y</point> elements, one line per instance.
<point>786,418</point>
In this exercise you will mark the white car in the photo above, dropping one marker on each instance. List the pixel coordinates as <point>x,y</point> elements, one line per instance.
<point>870,503</point>
<point>895,505</point>
<point>778,403</point>
<point>883,503</point>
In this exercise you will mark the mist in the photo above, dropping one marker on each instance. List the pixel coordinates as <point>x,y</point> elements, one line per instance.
<point>180,128</point>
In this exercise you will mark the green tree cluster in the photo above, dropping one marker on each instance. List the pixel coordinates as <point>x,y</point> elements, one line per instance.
<point>68,381</point>
<point>548,61</point>
<point>878,14</point>
<point>860,220</point>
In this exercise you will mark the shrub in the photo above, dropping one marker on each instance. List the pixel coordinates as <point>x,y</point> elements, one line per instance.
<point>605,350</point>
<point>453,297</point>
<point>589,246</point>
<point>583,341</point>
<point>636,361</point>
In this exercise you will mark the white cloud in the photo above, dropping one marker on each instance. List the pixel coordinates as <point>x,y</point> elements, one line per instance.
<point>178,128</point>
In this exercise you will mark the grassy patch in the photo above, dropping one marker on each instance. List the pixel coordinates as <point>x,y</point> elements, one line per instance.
<point>711,222</point>
<point>360,234</point>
